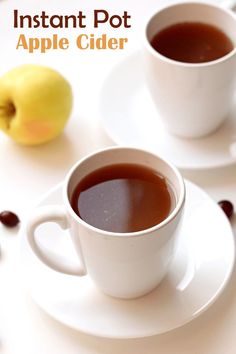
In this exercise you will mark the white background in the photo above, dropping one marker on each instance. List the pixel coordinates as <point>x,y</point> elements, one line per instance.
<point>26,173</point>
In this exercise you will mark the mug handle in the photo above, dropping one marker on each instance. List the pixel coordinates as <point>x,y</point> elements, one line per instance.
<point>57,214</point>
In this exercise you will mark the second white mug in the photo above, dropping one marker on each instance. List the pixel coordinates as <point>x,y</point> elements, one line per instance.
<point>193,100</point>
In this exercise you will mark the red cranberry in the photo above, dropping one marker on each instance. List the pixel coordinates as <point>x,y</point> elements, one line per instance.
<point>9,219</point>
<point>227,207</point>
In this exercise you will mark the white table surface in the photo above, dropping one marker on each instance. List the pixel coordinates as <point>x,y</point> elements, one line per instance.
<point>26,173</point>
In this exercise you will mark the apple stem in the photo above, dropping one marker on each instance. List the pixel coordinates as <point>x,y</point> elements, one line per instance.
<point>7,112</point>
<point>9,109</point>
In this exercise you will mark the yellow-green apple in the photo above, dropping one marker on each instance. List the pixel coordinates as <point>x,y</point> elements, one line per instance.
<point>35,103</point>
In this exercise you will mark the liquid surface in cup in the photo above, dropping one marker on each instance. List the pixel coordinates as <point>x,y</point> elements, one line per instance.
<point>123,198</point>
<point>192,42</point>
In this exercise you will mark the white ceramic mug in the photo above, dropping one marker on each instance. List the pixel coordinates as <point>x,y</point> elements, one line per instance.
<point>193,100</point>
<point>124,265</point>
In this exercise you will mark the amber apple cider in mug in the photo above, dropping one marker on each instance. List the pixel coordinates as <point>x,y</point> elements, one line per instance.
<point>123,198</point>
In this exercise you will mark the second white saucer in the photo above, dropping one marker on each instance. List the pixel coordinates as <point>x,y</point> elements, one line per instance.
<point>197,276</point>
<point>130,118</point>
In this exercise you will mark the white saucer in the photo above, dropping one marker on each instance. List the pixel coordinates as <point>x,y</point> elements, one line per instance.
<point>196,278</point>
<point>130,118</point>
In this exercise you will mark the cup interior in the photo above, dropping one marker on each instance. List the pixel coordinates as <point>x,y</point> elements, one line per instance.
<point>193,12</point>
<point>121,155</point>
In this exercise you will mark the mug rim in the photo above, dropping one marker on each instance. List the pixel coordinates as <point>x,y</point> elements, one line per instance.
<point>177,209</point>
<point>158,55</point>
